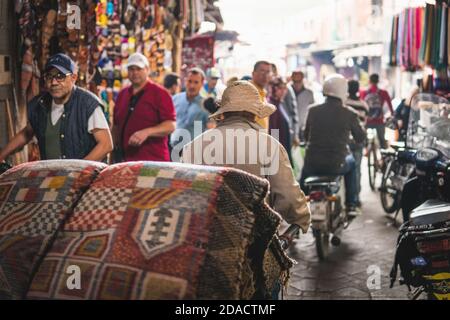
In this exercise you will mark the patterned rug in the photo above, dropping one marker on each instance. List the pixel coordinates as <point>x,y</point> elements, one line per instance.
<point>35,198</point>
<point>146,230</point>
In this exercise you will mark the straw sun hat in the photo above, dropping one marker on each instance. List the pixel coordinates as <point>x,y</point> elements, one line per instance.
<point>243,96</point>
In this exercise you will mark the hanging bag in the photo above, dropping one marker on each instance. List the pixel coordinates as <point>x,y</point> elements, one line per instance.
<point>119,152</point>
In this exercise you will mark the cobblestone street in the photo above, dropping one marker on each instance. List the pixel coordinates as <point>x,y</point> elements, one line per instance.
<point>369,241</point>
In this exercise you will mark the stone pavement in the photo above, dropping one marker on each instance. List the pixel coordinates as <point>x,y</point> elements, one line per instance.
<point>369,241</point>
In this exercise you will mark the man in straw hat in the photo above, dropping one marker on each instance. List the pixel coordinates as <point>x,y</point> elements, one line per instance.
<point>239,142</point>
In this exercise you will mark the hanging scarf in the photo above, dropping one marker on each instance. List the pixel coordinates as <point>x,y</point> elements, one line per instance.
<point>418,34</point>
<point>429,35</point>
<point>442,48</point>
<point>393,44</point>
<point>436,37</point>
<point>424,33</point>
<point>401,26</point>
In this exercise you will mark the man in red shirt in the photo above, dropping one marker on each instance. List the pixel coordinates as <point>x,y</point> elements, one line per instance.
<point>376,98</point>
<point>144,116</point>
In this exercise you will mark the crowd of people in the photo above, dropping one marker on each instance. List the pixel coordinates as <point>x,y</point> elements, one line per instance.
<point>152,122</point>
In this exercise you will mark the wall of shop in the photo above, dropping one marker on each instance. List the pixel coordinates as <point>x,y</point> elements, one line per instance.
<point>10,118</point>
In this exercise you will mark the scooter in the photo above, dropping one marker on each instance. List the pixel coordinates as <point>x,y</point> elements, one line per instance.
<point>423,246</point>
<point>328,215</point>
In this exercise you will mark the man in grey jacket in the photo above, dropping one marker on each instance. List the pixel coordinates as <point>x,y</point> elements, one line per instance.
<point>240,142</point>
<point>327,134</point>
<point>290,104</point>
<point>304,97</point>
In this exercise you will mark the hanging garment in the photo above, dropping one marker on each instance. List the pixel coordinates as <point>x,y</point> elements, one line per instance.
<point>395,41</point>
<point>429,35</point>
<point>401,27</point>
<point>418,34</point>
<point>393,44</point>
<point>412,48</point>
<point>442,59</point>
<point>411,45</point>
<point>200,13</point>
<point>436,37</point>
<point>424,32</point>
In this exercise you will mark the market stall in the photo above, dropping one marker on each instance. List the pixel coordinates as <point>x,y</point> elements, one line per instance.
<point>420,43</point>
<point>99,35</point>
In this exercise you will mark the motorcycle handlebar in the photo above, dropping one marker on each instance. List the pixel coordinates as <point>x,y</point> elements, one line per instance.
<point>442,166</point>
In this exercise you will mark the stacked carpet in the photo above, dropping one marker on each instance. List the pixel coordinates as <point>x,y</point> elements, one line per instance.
<point>35,200</point>
<point>146,230</point>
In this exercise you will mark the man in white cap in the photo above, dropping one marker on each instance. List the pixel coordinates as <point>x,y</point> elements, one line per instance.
<point>327,135</point>
<point>240,142</point>
<point>144,116</point>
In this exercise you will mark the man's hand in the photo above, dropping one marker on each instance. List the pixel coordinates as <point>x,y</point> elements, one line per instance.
<point>288,236</point>
<point>138,138</point>
<point>296,142</point>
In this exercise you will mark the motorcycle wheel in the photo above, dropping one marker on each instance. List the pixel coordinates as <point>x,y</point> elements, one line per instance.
<point>322,243</point>
<point>372,166</point>
<point>388,195</point>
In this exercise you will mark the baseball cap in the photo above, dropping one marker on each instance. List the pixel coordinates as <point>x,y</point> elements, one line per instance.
<point>61,62</point>
<point>138,60</point>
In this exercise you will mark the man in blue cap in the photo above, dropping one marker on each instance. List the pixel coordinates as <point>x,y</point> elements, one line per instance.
<point>67,121</point>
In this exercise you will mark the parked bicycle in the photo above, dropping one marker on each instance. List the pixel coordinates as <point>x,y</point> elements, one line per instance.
<point>394,177</point>
<point>374,156</point>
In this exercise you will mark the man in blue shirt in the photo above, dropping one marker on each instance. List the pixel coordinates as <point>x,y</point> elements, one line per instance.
<point>192,118</point>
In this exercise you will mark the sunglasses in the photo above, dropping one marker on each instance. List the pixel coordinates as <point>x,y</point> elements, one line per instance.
<point>60,77</point>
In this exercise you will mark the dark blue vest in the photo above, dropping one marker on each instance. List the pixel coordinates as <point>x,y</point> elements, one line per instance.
<point>76,141</point>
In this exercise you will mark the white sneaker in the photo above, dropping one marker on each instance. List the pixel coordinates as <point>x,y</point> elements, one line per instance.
<point>353,211</point>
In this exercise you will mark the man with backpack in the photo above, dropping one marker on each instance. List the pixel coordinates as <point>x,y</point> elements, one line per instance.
<point>376,98</point>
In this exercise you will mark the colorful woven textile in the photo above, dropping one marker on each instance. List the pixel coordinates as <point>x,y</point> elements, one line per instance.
<point>148,230</point>
<point>35,198</point>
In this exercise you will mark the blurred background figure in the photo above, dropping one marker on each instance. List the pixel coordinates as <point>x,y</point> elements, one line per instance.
<point>305,98</point>
<point>376,99</point>
<point>361,109</point>
<point>189,109</point>
<point>261,76</point>
<point>279,120</point>
<point>212,87</point>
<point>172,83</point>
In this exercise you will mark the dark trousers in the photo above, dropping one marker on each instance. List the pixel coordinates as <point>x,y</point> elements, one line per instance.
<point>350,178</point>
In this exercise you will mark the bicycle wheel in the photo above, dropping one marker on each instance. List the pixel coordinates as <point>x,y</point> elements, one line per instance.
<point>389,196</point>
<point>322,243</point>
<point>372,166</point>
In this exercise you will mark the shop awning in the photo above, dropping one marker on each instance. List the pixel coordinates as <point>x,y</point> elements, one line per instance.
<point>224,35</point>
<point>368,50</point>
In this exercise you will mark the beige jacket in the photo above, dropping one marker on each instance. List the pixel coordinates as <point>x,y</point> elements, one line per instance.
<point>246,148</point>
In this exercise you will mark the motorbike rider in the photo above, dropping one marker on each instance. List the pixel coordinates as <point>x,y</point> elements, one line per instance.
<point>327,135</point>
